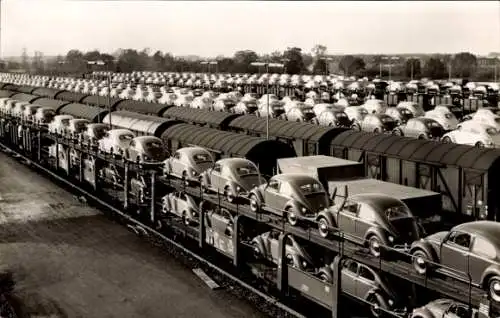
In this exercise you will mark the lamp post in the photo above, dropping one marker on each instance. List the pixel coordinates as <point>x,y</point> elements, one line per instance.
<point>267,65</point>
<point>412,60</point>
<point>390,59</point>
<point>326,59</point>
<point>108,80</point>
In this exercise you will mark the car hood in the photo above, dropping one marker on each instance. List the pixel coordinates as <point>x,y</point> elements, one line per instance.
<point>315,202</point>
<point>405,228</point>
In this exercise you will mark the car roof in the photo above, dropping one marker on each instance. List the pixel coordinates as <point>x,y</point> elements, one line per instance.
<point>490,230</point>
<point>228,161</point>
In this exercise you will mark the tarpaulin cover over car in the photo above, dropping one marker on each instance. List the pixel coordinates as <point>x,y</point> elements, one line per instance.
<point>6,93</point>
<point>55,104</point>
<point>24,97</point>
<point>101,101</point>
<point>26,89</point>
<point>47,92</point>
<point>70,96</point>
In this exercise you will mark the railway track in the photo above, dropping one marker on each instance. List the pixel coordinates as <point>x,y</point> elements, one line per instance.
<point>276,307</point>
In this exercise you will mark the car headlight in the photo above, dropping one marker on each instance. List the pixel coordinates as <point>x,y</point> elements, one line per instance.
<point>194,213</point>
<point>238,188</point>
<point>304,210</point>
<point>390,302</point>
<point>390,238</point>
<point>304,264</point>
<point>194,173</point>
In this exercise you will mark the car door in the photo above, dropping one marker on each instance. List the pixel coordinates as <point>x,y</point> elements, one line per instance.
<point>182,202</point>
<point>454,252</point>
<point>365,281</point>
<point>349,277</point>
<point>365,220</point>
<point>271,194</point>
<point>175,164</point>
<point>221,221</point>
<point>346,219</point>
<point>215,176</point>
<point>483,254</point>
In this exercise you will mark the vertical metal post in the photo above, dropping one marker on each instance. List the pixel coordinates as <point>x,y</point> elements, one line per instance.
<point>282,275</point>
<point>153,197</point>
<point>267,115</point>
<point>380,70</point>
<point>337,288</point>
<point>109,100</point>
<point>236,240</point>
<point>201,222</point>
<point>125,186</point>
<point>411,66</point>
<point>39,145</point>
<point>80,165</point>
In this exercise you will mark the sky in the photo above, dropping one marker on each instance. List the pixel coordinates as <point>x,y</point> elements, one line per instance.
<point>210,29</point>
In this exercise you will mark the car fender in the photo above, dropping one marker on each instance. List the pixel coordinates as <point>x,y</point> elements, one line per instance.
<point>231,185</point>
<point>258,194</point>
<point>205,179</point>
<point>426,247</point>
<point>328,216</point>
<point>377,292</point>
<point>260,244</point>
<point>294,205</point>
<point>422,312</point>
<point>492,270</point>
<point>378,232</point>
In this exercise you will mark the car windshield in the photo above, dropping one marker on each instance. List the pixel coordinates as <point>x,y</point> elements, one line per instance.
<point>431,124</point>
<point>65,122</point>
<point>228,102</point>
<point>497,120</point>
<point>492,131</point>
<point>448,116</point>
<point>100,132</point>
<point>405,111</point>
<point>247,170</point>
<point>201,157</point>
<point>340,115</point>
<point>311,188</point>
<point>80,125</point>
<point>155,150</point>
<point>363,111</point>
<point>126,137</point>
<point>386,119</point>
<point>397,211</point>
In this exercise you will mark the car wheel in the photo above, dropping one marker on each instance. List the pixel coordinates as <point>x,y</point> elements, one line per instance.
<point>446,140</point>
<point>397,132</point>
<point>421,137</point>
<point>376,130</point>
<point>480,145</point>
<point>356,127</point>
<point>323,227</point>
<point>420,262</point>
<point>228,193</point>
<point>375,245</point>
<point>377,307</point>
<point>185,179</point>
<point>291,216</point>
<point>494,288</point>
<point>324,277</point>
<point>254,203</point>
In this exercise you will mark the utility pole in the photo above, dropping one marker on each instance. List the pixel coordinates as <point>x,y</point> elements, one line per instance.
<point>267,65</point>
<point>390,59</point>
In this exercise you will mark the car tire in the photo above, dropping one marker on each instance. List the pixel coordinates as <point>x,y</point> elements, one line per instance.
<point>324,278</point>
<point>422,137</point>
<point>376,131</point>
<point>375,245</point>
<point>420,262</point>
<point>479,145</point>
<point>494,288</point>
<point>254,203</point>
<point>377,308</point>
<point>397,132</point>
<point>446,140</point>
<point>356,127</point>
<point>323,227</point>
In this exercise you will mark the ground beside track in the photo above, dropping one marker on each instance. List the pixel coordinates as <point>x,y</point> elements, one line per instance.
<point>68,260</point>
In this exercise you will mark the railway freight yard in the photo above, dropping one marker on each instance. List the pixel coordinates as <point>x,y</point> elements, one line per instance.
<point>143,183</point>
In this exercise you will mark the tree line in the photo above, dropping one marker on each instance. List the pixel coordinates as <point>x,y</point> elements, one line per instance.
<point>294,61</point>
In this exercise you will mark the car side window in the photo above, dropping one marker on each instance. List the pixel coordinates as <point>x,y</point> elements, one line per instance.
<point>286,189</point>
<point>484,248</point>
<point>365,273</point>
<point>459,311</point>
<point>177,155</point>
<point>460,239</point>
<point>289,241</point>
<point>132,144</point>
<point>351,266</point>
<point>217,168</point>
<point>366,213</point>
<point>182,196</point>
<point>274,185</point>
